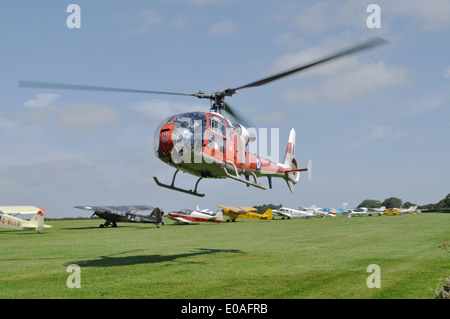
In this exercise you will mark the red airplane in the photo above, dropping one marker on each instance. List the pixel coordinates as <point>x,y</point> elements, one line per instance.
<point>186,216</point>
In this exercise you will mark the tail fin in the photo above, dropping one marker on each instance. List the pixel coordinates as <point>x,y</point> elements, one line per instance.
<point>293,173</point>
<point>219,216</point>
<point>157,214</point>
<point>268,214</point>
<point>37,221</point>
<point>290,149</point>
<point>332,213</point>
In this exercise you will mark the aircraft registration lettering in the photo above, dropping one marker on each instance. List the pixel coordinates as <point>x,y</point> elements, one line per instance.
<point>10,222</point>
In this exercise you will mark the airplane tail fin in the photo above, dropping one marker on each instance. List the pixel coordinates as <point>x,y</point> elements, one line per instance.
<point>156,213</point>
<point>37,222</point>
<point>293,173</point>
<point>268,214</point>
<point>332,213</point>
<point>219,216</point>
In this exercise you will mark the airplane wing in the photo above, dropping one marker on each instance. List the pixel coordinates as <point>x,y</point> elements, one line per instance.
<point>239,210</point>
<point>117,208</point>
<point>179,219</point>
<point>277,212</point>
<point>20,210</point>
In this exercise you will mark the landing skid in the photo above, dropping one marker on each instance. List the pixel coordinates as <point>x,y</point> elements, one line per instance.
<point>171,186</point>
<point>236,177</point>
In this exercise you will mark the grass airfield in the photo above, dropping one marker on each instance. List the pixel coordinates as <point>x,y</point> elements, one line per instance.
<point>297,258</point>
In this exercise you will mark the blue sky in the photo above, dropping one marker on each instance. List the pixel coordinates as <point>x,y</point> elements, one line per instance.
<point>375,125</point>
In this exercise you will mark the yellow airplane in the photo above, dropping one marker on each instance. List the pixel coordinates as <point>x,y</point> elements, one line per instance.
<point>245,212</point>
<point>392,211</point>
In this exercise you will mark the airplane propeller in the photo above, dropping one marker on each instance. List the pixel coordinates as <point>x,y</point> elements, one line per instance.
<point>217,97</point>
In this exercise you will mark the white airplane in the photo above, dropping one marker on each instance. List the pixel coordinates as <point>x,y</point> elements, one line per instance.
<point>365,211</point>
<point>320,212</point>
<point>325,213</point>
<point>186,216</point>
<point>36,223</point>
<point>304,212</point>
<point>288,213</point>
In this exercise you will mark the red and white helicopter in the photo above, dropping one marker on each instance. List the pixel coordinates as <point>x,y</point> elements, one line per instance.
<point>208,144</point>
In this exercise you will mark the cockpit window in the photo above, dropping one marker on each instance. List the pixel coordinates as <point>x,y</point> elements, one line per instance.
<point>216,125</point>
<point>190,119</point>
<point>189,130</point>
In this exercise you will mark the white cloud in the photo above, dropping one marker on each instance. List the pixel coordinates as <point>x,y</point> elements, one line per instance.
<point>59,172</point>
<point>275,117</point>
<point>428,102</point>
<point>324,17</point>
<point>227,27</point>
<point>446,72</point>
<point>6,123</point>
<point>181,22</point>
<point>42,100</point>
<point>288,40</point>
<point>147,21</point>
<point>432,14</point>
<point>313,19</point>
<point>87,116</point>
<point>372,134</point>
<point>352,83</point>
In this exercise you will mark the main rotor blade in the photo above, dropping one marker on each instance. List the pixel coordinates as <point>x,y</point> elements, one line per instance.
<point>47,85</point>
<point>353,49</point>
<point>238,117</point>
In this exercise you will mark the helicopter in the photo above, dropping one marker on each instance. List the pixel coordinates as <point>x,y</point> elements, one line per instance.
<point>209,144</point>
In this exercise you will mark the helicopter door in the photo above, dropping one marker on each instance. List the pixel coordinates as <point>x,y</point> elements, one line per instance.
<point>216,137</point>
<point>230,149</point>
<point>240,151</point>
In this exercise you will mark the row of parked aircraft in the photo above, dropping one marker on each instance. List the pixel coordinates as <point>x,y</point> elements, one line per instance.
<point>114,214</point>
<point>383,211</point>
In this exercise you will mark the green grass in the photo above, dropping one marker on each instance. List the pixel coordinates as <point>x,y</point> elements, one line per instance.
<point>297,258</point>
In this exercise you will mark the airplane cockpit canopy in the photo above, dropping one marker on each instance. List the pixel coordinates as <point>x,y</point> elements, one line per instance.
<point>185,211</point>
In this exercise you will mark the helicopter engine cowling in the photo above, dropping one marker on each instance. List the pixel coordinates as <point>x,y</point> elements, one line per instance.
<point>244,134</point>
